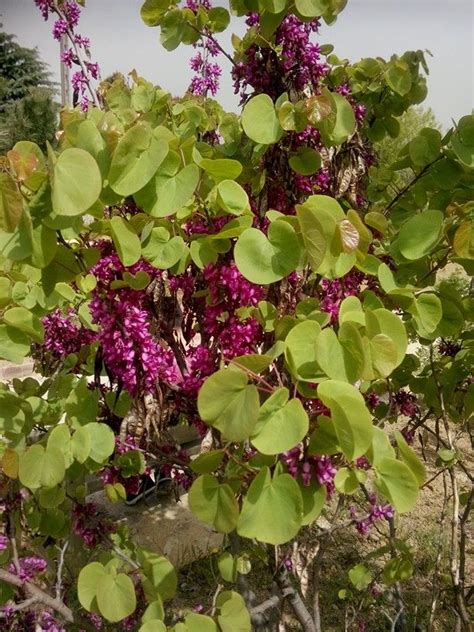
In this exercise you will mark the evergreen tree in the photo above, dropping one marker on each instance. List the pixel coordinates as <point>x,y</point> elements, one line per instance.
<point>27,107</point>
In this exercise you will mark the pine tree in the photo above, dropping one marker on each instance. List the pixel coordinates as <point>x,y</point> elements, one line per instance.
<point>27,107</point>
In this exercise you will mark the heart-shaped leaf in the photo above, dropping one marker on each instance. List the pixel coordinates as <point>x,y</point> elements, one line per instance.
<point>265,260</point>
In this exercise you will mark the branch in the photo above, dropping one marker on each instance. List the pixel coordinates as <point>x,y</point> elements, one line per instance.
<point>410,184</point>
<point>59,574</point>
<point>38,593</point>
<point>289,592</point>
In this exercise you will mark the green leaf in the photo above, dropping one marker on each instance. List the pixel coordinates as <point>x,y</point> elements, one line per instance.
<point>199,623</point>
<point>463,242</point>
<point>409,457</point>
<point>346,481</point>
<point>41,468</point>
<point>116,597</point>
<point>281,424</point>
<point>384,355</point>
<point>233,615</point>
<point>166,194</point>
<point>228,402</point>
<point>380,447</point>
<point>154,611</point>
<point>396,481</point>
<point>260,121</point>
<point>227,566</point>
<point>153,625</point>
<point>152,11</point>
<point>126,240</point>
<point>462,141</point>
<point>397,569</point>
<point>207,461</point>
<point>272,509</point>
<point>214,504</point>
<point>305,161</point>
<point>382,321</point>
<point>420,234</point>
<point>221,168</point>
<point>102,441</point>
<point>427,313</point>
<point>425,147</point>
<point>89,578</point>
<point>14,345</point>
<point>76,182</point>
<point>360,577</point>
<point>25,321</point>
<point>81,444</point>
<point>324,439</point>
<point>219,19</point>
<point>232,197</point>
<point>335,131</point>
<point>136,159</point>
<point>11,203</point>
<point>311,8</point>
<point>173,27</point>
<point>352,420</point>
<point>398,77</point>
<point>265,260</point>
<point>82,404</point>
<point>159,573</point>
<point>314,497</point>
<point>162,251</point>
<point>300,351</point>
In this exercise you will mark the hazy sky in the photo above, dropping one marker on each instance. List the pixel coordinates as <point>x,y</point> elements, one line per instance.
<point>121,42</point>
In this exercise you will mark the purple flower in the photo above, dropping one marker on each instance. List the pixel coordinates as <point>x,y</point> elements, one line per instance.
<point>29,567</point>
<point>79,81</point>
<point>4,542</point>
<point>59,29</point>
<point>63,333</point>
<point>83,42</point>
<point>44,6</point>
<point>72,12</point>
<point>93,69</point>
<point>67,57</point>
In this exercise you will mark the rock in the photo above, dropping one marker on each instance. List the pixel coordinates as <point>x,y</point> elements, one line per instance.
<point>163,526</point>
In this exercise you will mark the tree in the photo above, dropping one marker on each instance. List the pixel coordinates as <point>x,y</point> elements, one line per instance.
<point>27,108</point>
<point>251,275</point>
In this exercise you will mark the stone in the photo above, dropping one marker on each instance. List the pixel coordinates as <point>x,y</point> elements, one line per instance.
<point>163,525</point>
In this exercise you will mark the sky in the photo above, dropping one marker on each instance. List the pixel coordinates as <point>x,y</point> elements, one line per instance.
<point>366,28</point>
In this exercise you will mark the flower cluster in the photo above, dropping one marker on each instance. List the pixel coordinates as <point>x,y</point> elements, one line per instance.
<point>29,567</point>
<point>228,291</point>
<point>309,468</point>
<point>449,348</point>
<point>87,526</point>
<point>332,293</point>
<point>68,15</point>
<point>207,73</point>
<point>63,333</point>
<point>405,404</point>
<point>130,350</point>
<point>376,512</point>
<point>4,542</point>
<point>297,65</point>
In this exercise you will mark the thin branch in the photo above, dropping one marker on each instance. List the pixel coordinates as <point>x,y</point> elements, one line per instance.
<point>38,593</point>
<point>59,574</point>
<point>410,184</point>
<point>289,592</point>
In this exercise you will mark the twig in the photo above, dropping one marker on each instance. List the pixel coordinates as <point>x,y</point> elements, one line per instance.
<point>214,599</point>
<point>289,592</point>
<point>59,574</point>
<point>434,597</point>
<point>38,593</point>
